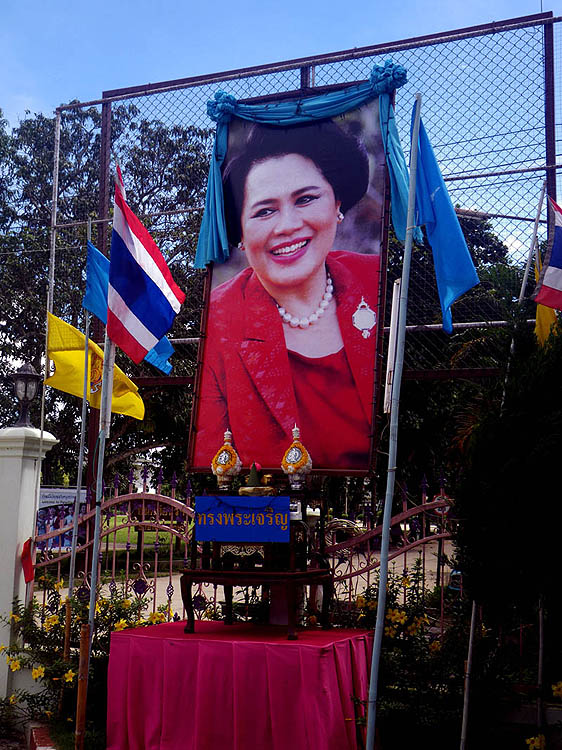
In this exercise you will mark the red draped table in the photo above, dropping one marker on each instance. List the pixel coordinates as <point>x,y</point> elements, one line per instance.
<point>236,687</point>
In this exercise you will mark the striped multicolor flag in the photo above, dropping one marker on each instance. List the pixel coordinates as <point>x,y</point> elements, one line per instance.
<point>143,299</point>
<point>546,316</point>
<point>95,300</point>
<point>549,288</point>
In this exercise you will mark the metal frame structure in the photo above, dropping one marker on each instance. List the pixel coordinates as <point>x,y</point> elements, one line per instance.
<point>310,75</point>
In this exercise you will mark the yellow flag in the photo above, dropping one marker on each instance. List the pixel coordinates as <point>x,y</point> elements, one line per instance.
<point>65,347</point>
<point>546,316</point>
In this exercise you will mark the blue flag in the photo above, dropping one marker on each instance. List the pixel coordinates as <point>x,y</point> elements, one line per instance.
<point>160,354</point>
<point>97,279</point>
<point>454,269</point>
<point>95,300</point>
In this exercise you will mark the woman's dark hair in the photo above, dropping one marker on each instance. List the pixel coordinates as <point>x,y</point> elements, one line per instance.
<point>340,157</point>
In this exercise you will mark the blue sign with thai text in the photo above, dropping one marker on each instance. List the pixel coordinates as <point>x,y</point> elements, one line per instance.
<point>241,519</point>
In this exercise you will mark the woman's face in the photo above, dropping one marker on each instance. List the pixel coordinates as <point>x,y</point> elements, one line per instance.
<point>289,221</point>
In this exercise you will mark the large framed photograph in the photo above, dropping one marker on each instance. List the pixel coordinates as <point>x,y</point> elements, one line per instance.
<point>294,316</point>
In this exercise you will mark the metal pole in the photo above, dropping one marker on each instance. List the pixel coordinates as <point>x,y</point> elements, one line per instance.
<point>523,287</point>
<point>85,390</point>
<point>391,356</point>
<point>105,419</point>
<point>549,108</point>
<point>467,677</point>
<point>540,666</point>
<point>532,246</point>
<point>102,246</point>
<point>56,162</point>
<point>50,295</point>
<point>379,626</point>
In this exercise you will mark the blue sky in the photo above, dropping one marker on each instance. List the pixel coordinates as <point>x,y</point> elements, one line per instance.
<point>54,52</point>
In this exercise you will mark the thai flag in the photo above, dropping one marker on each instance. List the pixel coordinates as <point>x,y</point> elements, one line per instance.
<point>550,282</point>
<point>143,299</point>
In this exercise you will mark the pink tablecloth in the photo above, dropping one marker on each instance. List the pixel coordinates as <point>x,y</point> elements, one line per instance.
<point>235,687</point>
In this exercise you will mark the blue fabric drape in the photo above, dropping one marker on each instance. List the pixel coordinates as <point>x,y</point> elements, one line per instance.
<point>213,244</point>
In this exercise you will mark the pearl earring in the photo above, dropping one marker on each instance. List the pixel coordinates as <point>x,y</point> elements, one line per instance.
<point>241,246</point>
<point>340,217</point>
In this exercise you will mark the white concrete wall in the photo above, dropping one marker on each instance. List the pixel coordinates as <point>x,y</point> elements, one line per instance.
<point>19,464</point>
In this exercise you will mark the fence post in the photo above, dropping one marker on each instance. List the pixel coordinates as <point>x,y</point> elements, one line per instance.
<point>19,464</point>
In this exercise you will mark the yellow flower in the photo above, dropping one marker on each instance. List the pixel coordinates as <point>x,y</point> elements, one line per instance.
<point>15,665</point>
<point>59,585</point>
<point>126,603</point>
<point>396,616</point>
<point>8,659</point>
<point>38,672</point>
<point>50,622</point>
<point>405,582</point>
<point>2,648</point>
<point>536,743</point>
<point>390,630</point>
<point>156,617</point>
<point>13,699</point>
<point>372,604</point>
<point>121,625</point>
<point>48,714</point>
<point>435,646</point>
<point>557,690</point>
<point>69,676</point>
<point>361,601</point>
<point>14,617</point>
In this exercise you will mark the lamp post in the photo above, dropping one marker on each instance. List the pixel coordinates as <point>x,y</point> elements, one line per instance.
<point>26,384</point>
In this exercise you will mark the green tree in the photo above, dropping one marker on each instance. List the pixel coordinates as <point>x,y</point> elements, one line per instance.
<point>165,169</point>
<point>508,498</point>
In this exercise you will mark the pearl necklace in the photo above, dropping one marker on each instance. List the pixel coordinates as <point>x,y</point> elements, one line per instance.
<point>295,322</point>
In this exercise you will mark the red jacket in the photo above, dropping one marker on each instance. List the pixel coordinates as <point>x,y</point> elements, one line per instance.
<point>246,382</point>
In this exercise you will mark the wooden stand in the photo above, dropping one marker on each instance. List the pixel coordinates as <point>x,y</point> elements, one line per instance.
<point>285,564</point>
<point>231,578</point>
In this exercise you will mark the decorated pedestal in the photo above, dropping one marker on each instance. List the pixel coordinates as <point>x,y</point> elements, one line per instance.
<point>296,462</point>
<point>226,463</point>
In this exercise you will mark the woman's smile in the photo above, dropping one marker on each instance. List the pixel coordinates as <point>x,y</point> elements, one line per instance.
<point>291,249</point>
<point>289,221</point>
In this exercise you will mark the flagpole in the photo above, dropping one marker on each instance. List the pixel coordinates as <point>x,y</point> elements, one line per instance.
<point>523,287</point>
<point>467,676</point>
<point>532,245</point>
<point>391,346</point>
<point>105,420</point>
<point>82,443</point>
<point>393,442</point>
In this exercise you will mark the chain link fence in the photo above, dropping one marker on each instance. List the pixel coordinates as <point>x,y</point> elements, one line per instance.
<point>487,111</point>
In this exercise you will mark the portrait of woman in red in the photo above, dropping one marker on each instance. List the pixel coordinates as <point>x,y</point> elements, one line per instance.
<point>291,339</point>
